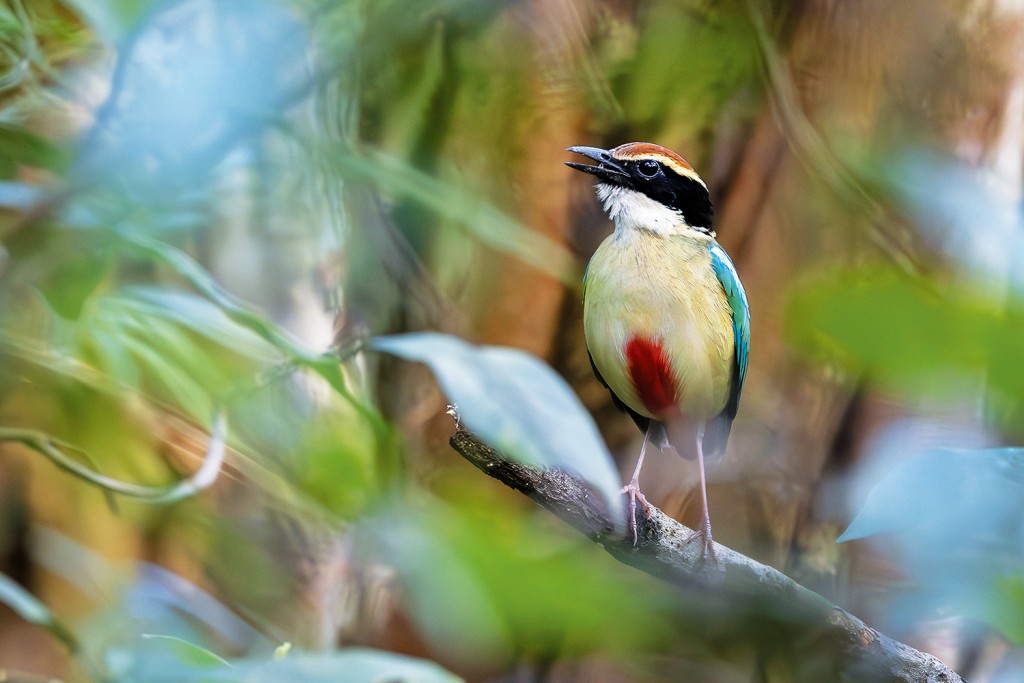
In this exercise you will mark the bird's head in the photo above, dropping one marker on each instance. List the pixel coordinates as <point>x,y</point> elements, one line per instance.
<point>648,187</point>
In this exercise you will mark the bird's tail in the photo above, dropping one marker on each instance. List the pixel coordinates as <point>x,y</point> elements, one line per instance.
<point>716,435</point>
<point>659,435</point>
<point>682,436</point>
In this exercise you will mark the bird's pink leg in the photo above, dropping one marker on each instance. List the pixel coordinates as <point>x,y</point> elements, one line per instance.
<point>704,531</point>
<point>633,488</point>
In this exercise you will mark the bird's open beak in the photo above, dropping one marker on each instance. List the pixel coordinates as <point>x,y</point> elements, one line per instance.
<point>606,168</point>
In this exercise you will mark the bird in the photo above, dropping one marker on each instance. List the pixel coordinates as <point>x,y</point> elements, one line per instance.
<point>665,316</point>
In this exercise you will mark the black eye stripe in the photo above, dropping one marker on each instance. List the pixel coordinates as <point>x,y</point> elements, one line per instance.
<point>683,193</point>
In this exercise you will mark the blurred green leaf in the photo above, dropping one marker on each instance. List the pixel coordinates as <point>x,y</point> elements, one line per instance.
<point>68,287</point>
<point>202,317</point>
<point>188,653</point>
<point>168,380</point>
<point>21,147</point>
<point>450,598</point>
<point>326,365</point>
<point>65,266</point>
<point>913,334</point>
<point>689,61</point>
<point>1007,611</point>
<point>320,453</point>
<point>517,404</point>
<point>336,463</point>
<point>173,346</point>
<point>886,325</point>
<point>489,582</point>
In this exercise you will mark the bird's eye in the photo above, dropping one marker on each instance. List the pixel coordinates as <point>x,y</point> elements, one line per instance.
<point>648,168</point>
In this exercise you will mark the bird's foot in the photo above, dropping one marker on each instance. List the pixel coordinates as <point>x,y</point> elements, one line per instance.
<point>707,550</point>
<point>632,489</point>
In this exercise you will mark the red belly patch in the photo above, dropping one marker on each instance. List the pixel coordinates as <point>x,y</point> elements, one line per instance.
<point>651,374</point>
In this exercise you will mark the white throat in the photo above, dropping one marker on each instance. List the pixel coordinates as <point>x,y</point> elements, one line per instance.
<point>632,210</point>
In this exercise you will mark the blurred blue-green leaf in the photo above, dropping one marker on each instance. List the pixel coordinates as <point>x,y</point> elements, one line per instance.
<point>14,195</point>
<point>172,660</point>
<point>942,491</point>
<point>149,598</point>
<point>517,404</point>
<point>184,96</point>
<point>355,665</point>
<point>967,214</point>
<point>956,518</point>
<point>24,603</point>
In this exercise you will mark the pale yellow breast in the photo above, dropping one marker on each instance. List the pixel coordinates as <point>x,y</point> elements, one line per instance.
<point>661,288</point>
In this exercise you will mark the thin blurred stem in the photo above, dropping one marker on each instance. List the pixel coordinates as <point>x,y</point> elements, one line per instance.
<point>479,217</point>
<point>29,51</point>
<point>812,150</point>
<point>54,449</point>
<point>29,608</point>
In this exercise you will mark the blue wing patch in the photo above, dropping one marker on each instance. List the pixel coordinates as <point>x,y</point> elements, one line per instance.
<point>725,271</point>
<point>717,432</point>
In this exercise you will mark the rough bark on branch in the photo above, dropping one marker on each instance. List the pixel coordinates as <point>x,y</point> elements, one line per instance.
<point>739,598</point>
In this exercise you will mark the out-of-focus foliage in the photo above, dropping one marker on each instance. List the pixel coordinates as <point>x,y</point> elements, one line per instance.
<point>189,189</point>
<point>164,629</point>
<point>487,587</point>
<point>167,660</point>
<point>914,334</point>
<point>208,206</point>
<point>693,42</point>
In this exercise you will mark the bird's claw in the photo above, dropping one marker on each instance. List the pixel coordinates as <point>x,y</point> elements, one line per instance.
<point>707,550</point>
<point>632,489</point>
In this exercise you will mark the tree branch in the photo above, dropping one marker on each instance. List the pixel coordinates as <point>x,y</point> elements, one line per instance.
<point>739,598</point>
